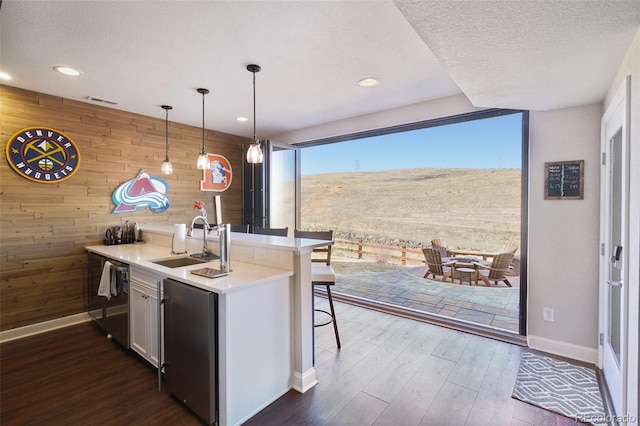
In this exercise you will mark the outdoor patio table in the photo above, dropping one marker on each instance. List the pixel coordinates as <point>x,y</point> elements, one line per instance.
<point>467,274</point>
<point>463,268</point>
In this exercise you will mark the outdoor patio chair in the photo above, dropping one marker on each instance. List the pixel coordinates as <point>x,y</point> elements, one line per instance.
<point>435,266</point>
<point>278,232</point>
<point>322,273</point>
<point>510,248</point>
<point>440,246</point>
<point>497,270</point>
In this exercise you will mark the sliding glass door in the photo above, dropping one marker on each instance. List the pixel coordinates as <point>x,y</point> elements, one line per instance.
<point>389,193</point>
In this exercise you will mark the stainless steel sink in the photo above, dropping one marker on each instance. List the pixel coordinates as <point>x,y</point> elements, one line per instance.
<point>205,257</point>
<point>178,262</point>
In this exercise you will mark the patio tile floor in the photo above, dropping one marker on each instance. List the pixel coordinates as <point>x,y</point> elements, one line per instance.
<point>495,306</point>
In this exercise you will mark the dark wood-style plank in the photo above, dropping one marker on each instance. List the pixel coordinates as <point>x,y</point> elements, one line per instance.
<point>76,375</point>
<point>410,373</point>
<point>390,371</point>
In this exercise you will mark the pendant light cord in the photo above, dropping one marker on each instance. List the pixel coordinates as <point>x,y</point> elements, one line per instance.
<point>203,93</point>
<point>166,108</point>
<point>166,133</point>
<point>254,107</point>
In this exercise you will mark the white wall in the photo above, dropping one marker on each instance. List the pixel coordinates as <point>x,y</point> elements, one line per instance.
<point>564,235</point>
<point>631,66</point>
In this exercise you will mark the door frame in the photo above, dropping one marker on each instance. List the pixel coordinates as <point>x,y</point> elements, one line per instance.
<point>524,206</point>
<point>621,100</point>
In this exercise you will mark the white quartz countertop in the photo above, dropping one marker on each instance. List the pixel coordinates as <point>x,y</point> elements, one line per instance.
<point>243,275</point>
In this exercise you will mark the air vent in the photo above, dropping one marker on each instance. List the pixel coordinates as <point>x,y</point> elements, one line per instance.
<point>104,101</point>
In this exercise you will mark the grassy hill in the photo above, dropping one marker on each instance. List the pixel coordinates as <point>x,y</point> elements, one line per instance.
<point>475,209</point>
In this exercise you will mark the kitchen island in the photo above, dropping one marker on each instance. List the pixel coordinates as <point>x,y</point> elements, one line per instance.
<point>265,312</point>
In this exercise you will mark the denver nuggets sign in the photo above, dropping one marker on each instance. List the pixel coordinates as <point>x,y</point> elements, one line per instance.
<point>43,155</point>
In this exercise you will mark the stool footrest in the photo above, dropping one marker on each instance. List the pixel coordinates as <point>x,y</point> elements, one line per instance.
<point>324,323</point>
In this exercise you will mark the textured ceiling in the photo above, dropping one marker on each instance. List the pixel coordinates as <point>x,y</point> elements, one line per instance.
<point>535,55</point>
<point>142,54</point>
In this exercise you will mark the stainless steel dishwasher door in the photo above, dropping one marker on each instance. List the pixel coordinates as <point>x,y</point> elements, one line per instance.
<point>116,318</point>
<point>94,303</point>
<point>111,316</point>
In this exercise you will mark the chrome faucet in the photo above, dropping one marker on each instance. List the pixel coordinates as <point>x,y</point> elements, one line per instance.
<point>205,231</point>
<point>224,232</point>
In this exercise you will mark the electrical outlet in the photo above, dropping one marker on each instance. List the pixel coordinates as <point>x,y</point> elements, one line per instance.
<point>547,314</point>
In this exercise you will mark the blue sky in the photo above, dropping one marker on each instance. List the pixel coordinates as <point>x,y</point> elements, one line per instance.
<point>487,143</point>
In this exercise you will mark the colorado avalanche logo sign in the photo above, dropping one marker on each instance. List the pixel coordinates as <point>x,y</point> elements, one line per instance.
<point>43,155</point>
<point>140,192</point>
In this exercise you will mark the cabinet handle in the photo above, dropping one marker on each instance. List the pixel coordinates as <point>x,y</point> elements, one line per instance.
<point>159,337</point>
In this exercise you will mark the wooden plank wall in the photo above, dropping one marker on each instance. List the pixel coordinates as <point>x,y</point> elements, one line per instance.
<point>44,227</point>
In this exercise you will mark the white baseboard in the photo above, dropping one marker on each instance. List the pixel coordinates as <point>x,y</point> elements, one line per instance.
<point>42,327</point>
<point>567,350</point>
<point>304,382</point>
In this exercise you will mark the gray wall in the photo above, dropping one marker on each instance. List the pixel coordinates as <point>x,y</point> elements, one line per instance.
<point>564,235</point>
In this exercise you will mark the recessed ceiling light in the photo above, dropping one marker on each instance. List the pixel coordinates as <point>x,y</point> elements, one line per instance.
<point>242,119</point>
<point>369,82</point>
<point>67,71</point>
<point>4,76</point>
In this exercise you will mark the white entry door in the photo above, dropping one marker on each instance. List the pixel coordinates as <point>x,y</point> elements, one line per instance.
<point>614,249</point>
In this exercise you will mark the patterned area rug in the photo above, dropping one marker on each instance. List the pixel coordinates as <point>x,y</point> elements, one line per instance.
<point>558,386</point>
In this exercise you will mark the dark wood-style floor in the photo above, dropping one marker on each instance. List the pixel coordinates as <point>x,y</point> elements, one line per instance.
<point>390,370</point>
<point>76,376</point>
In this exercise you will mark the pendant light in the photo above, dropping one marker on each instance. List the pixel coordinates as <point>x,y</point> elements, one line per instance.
<point>203,158</point>
<point>167,167</point>
<point>254,153</point>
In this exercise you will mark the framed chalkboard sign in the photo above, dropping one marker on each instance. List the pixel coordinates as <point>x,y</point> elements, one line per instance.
<point>564,180</point>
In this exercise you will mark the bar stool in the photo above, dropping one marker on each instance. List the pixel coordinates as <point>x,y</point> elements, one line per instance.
<point>322,274</point>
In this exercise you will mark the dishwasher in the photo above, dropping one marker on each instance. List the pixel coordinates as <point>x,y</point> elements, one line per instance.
<point>110,315</point>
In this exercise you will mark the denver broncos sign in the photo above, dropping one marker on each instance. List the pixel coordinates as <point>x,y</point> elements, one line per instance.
<point>140,192</point>
<point>218,177</point>
<point>43,155</point>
